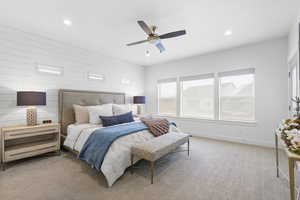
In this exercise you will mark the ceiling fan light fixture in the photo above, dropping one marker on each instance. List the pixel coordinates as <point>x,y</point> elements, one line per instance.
<point>154,38</point>
<point>154,41</point>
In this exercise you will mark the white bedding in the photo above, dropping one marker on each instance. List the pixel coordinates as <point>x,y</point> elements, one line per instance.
<point>117,159</point>
<point>74,132</point>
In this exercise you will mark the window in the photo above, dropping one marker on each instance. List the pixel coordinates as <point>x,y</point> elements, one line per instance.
<point>197,97</point>
<point>167,95</point>
<point>293,83</point>
<point>236,96</point>
<point>226,96</point>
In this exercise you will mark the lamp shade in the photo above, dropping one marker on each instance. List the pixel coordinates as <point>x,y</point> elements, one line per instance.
<point>28,98</point>
<point>139,99</point>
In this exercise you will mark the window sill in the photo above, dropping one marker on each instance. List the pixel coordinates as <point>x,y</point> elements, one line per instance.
<point>225,122</point>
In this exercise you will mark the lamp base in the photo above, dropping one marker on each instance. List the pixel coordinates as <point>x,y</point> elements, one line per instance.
<point>140,109</point>
<point>31,116</point>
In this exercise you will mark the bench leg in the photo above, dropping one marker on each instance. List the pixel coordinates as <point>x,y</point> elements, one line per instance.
<point>277,158</point>
<point>152,171</point>
<point>131,160</point>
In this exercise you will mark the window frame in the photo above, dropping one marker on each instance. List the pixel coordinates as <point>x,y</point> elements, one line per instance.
<point>236,73</point>
<point>216,76</point>
<point>195,78</point>
<point>293,65</point>
<point>162,81</point>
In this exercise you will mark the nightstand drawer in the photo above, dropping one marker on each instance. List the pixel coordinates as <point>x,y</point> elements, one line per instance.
<point>28,150</point>
<point>15,134</point>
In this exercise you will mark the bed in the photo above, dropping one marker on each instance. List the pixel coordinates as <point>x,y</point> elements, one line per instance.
<point>117,158</point>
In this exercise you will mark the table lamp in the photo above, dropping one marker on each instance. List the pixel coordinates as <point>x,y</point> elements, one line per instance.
<point>31,99</point>
<point>139,100</point>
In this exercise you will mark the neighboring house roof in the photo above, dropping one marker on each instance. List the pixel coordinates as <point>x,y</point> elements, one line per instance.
<point>228,89</point>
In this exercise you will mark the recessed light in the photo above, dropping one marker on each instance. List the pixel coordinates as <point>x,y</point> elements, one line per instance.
<point>228,33</point>
<point>68,22</point>
<point>147,53</point>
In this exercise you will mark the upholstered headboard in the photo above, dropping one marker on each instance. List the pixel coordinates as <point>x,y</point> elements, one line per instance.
<point>67,98</point>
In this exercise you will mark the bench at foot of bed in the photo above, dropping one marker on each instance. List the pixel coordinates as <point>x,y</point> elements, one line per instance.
<point>158,147</point>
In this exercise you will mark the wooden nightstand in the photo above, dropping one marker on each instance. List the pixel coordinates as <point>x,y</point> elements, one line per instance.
<point>19,142</point>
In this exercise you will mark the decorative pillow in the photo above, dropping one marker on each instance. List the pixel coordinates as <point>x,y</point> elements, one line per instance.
<point>118,119</point>
<point>100,110</point>
<point>157,127</point>
<point>119,109</point>
<point>81,114</point>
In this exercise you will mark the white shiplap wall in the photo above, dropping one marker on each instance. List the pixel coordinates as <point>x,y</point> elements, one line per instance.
<point>19,54</point>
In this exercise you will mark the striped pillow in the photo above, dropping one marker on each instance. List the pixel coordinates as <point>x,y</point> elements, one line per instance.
<point>157,127</point>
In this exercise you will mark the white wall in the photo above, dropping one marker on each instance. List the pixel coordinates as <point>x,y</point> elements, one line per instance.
<point>293,38</point>
<point>19,53</point>
<point>269,60</point>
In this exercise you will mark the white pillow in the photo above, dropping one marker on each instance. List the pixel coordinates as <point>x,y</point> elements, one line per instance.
<point>101,110</point>
<point>119,109</point>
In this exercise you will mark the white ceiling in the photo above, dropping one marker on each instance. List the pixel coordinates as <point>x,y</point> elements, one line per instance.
<point>106,26</point>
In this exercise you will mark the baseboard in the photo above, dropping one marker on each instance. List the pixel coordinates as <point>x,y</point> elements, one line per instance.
<point>237,140</point>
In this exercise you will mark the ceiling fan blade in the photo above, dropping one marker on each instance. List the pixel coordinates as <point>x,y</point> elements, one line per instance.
<point>172,34</point>
<point>145,27</point>
<point>139,42</point>
<point>160,46</point>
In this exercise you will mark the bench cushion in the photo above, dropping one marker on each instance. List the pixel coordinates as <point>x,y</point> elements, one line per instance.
<point>156,148</point>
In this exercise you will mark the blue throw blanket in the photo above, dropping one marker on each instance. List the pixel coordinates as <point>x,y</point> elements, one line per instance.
<point>97,145</point>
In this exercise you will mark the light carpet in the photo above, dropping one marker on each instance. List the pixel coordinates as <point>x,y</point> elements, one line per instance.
<point>215,170</point>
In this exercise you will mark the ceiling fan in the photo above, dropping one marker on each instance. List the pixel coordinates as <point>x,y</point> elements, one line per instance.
<point>154,38</point>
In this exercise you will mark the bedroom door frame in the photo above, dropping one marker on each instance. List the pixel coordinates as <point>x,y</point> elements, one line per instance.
<point>293,82</point>
<point>294,77</point>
